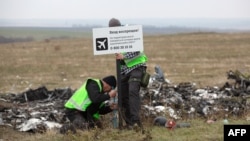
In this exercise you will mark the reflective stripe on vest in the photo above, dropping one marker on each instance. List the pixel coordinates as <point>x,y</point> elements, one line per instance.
<point>81,106</point>
<point>141,58</point>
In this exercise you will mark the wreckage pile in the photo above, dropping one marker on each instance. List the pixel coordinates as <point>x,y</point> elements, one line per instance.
<point>41,109</point>
<point>185,101</point>
<point>34,110</point>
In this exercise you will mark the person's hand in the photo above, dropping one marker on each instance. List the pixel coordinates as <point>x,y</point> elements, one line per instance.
<point>112,93</point>
<point>119,56</point>
<point>113,106</point>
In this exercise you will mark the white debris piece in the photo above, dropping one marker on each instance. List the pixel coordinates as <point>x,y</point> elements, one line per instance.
<point>29,124</point>
<point>160,109</point>
<point>52,125</point>
<point>34,122</point>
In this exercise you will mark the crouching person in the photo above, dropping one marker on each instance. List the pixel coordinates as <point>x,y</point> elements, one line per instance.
<point>85,106</point>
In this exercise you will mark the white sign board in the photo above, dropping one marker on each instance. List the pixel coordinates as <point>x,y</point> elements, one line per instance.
<point>117,39</point>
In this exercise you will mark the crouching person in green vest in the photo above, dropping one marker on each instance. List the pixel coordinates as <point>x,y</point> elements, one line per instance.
<point>85,106</point>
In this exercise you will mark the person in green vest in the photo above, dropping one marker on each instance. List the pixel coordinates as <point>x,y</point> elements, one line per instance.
<point>85,106</point>
<point>133,66</point>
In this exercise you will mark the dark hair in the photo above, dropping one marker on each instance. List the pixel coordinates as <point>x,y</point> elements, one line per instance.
<point>114,22</point>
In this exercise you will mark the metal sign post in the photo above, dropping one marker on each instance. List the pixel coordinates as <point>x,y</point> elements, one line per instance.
<point>118,75</point>
<point>113,40</point>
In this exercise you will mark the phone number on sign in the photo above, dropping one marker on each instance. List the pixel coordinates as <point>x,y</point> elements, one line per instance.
<point>121,47</point>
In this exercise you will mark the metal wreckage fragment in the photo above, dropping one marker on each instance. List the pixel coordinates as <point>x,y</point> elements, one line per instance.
<point>34,110</point>
<point>38,110</point>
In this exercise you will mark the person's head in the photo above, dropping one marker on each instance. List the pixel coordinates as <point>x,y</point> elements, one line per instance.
<point>109,83</point>
<point>114,22</point>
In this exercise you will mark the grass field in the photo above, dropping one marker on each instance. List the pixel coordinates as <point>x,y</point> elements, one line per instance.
<point>42,33</point>
<point>201,58</point>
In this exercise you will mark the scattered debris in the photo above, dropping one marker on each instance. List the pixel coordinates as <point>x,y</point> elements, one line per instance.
<point>38,110</point>
<point>185,101</point>
<point>34,110</point>
<point>241,80</point>
<point>170,124</point>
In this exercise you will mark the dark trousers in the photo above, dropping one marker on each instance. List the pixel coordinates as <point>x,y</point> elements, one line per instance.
<point>77,118</point>
<point>80,119</point>
<point>131,102</point>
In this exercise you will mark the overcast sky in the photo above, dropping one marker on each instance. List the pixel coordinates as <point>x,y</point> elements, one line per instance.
<point>123,9</point>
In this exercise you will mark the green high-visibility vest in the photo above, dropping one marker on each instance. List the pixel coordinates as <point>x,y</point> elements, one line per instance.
<point>141,58</point>
<point>80,99</point>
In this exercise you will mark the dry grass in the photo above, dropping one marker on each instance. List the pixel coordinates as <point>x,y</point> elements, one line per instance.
<point>199,131</point>
<point>202,58</point>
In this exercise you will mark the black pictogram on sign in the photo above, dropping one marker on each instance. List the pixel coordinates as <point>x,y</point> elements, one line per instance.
<point>101,44</point>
